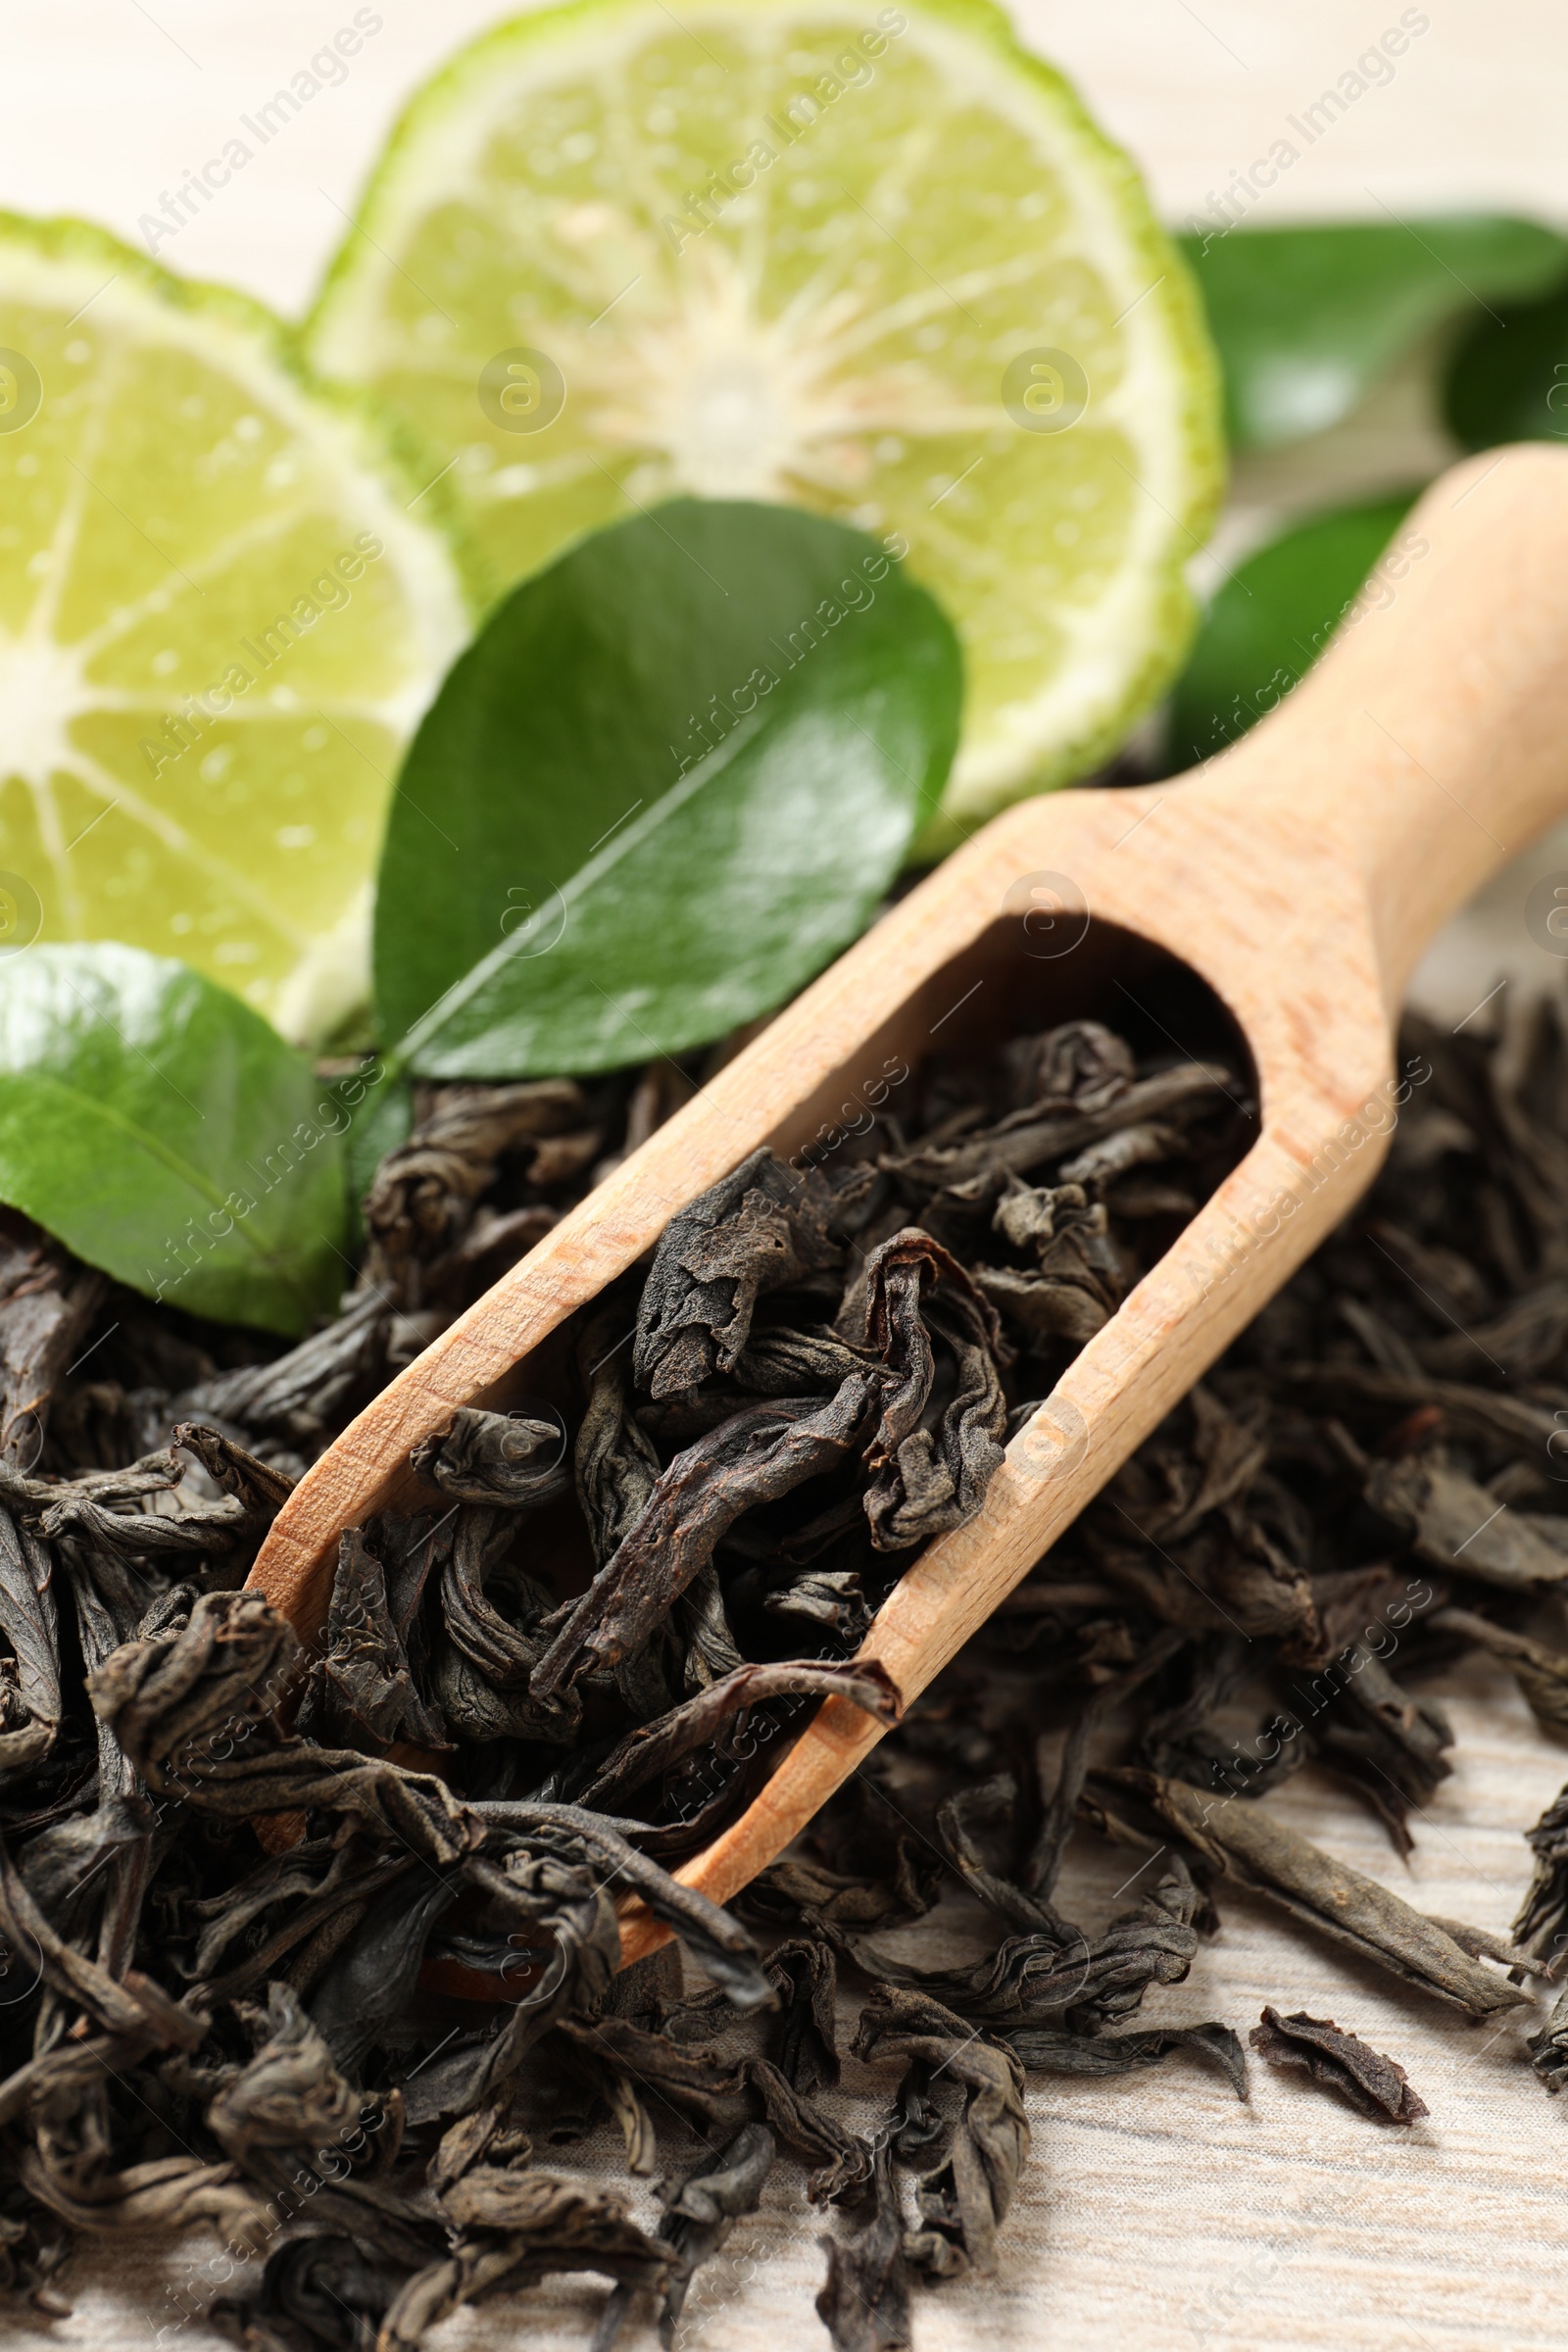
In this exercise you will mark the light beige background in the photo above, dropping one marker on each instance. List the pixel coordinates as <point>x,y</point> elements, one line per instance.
<point>1156,2212</point>
<point>103,101</point>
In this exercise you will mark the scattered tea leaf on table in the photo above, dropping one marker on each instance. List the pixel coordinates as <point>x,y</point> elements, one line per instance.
<point>1048,2050</point>
<point>1272,618</point>
<point>1374,2084</point>
<point>1309,319</point>
<point>167,1134</point>
<point>671,779</point>
<point>1246,1842</point>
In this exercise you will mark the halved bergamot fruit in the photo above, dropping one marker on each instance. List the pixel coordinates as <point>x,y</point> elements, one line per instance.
<point>223,610</point>
<point>876,261</point>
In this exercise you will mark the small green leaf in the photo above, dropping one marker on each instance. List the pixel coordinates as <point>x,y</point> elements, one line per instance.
<point>1309,319</point>
<point>1508,379</point>
<point>1274,615</point>
<point>164,1132</point>
<point>671,777</point>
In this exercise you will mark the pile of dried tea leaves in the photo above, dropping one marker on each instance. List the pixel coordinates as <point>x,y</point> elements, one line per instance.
<point>548,1688</point>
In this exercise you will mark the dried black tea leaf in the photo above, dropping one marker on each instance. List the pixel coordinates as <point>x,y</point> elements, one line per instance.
<point>1044,2050</point>
<point>919,1306</point>
<point>965,2201</point>
<point>1060,1969</point>
<point>653,1749</point>
<point>290,2096</point>
<point>1375,2086</point>
<point>47,1300</point>
<point>701,2211</point>
<point>313,1388</point>
<point>840,2160</point>
<point>604,1620</point>
<point>760,1230</point>
<point>1548,2049</point>
<point>1542,1674</point>
<point>1544,1909</point>
<point>803,1973</point>
<point>1452,1523</point>
<point>191,1712</point>
<point>506,1459</point>
<point>1242,1841</point>
<point>1054,1129</point>
<point>757,1455</point>
<point>313,2292</point>
<point>421,1210</point>
<point>865,2303</point>
<point>29,1676</point>
<point>616,1467</point>
<point>362,1689</point>
<point>513,2228</point>
<point>485,1654</point>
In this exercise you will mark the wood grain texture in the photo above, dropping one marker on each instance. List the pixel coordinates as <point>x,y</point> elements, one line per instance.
<point>1301,874</point>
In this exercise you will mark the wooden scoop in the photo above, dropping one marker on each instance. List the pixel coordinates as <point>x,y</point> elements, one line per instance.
<point>1301,874</point>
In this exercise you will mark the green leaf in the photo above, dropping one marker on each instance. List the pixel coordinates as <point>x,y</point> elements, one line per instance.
<point>1508,379</point>
<point>164,1132</point>
<point>671,777</point>
<point>1309,319</point>
<point>1274,615</point>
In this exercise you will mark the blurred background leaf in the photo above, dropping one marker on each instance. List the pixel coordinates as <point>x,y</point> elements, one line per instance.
<point>1508,379</point>
<point>1271,618</point>
<point>1309,319</point>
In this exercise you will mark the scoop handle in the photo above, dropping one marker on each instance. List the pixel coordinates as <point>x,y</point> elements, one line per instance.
<point>1431,743</point>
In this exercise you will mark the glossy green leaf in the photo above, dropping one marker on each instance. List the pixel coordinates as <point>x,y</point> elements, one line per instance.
<point>1508,379</point>
<point>1274,615</point>
<point>164,1132</point>
<point>1308,319</point>
<point>671,777</point>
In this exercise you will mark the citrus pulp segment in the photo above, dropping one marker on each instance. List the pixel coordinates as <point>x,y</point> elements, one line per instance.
<point>219,622</point>
<point>873,260</point>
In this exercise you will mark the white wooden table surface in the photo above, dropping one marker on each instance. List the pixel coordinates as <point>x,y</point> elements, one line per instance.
<point>1156,2212</point>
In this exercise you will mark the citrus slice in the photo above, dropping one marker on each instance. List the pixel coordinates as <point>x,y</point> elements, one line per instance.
<point>873,260</point>
<point>220,621</point>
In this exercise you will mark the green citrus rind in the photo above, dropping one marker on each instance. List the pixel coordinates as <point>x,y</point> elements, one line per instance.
<point>182,484</point>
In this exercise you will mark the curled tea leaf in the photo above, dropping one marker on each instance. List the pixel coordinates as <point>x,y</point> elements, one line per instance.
<point>508,1459</point>
<point>1044,2050</point>
<point>864,2301</point>
<point>965,2200</point>
<point>192,1713</point>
